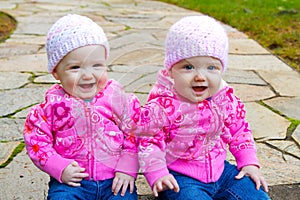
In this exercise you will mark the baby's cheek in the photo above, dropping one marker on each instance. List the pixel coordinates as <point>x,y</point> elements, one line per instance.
<point>102,80</point>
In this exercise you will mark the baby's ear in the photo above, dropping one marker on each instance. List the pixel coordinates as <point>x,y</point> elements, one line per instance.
<point>170,73</point>
<point>55,75</point>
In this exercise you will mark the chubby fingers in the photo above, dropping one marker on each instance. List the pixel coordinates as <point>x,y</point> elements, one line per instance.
<point>118,184</point>
<point>240,175</point>
<point>176,186</point>
<point>155,190</point>
<point>168,182</point>
<point>260,181</point>
<point>76,178</point>
<point>256,177</point>
<point>264,184</point>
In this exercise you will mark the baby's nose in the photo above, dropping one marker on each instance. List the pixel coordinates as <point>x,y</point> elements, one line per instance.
<point>87,73</point>
<point>199,76</point>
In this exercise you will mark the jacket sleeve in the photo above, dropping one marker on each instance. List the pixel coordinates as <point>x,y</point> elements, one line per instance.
<point>39,143</point>
<point>242,144</point>
<point>126,108</point>
<point>152,142</point>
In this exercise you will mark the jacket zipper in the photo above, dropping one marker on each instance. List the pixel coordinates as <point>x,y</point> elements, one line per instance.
<point>90,140</point>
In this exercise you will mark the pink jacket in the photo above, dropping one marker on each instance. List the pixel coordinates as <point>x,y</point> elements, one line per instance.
<point>191,138</point>
<point>97,134</point>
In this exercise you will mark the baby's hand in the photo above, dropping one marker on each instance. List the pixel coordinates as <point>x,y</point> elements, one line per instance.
<point>254,173</point>
<point>73,174</point>
<point>165,182</point>
<point>122,180</point>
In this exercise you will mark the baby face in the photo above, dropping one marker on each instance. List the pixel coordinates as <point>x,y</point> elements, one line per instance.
<point>197,78</point>
<point>83,71</point>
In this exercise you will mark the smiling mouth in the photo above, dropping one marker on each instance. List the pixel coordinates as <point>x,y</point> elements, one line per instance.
<point>199,88</point>
<point>87,86</point>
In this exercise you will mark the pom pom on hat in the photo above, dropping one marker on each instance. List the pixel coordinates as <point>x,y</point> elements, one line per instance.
<point>71,32</point>
<point>196,36</point>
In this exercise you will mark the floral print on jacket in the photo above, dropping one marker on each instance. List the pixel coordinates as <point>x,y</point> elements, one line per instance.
<point>191,138</point>
<point>97,134</point>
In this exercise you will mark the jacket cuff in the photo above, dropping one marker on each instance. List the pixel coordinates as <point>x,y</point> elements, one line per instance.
<point>246,157</point>
<point>152,177</point>
<point>128,164</point>
<point>56,165</point>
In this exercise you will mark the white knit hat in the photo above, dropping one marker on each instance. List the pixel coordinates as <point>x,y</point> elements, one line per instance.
<point>196,36</point>
<point>71,32</point>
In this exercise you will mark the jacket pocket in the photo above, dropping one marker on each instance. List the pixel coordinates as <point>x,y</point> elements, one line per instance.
<point>113,139</point>
<point>67,143</point>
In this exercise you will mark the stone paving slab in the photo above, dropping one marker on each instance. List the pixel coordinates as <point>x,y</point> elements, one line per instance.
<point>276,166</point>
<point>12,49</point>
<point>252,92</point>
<point>22,180</point>
<point>286,83</point>
<point>261,63</point>
<point>287,105</point>
<point>136,55</point>
<point>296,135</point>
<point>243,76</point>
<point>46,78</point>
<point>32,62</point>
<point>11,130</point>
<point>26,39</point>
<point>11,101</point>
<point>124,78</point>
<point>246,47</point>
<point>6,150</point>
<point>136,69</point>
<point>16,80</point>
<point>286,147</point>
<point>263,128</point>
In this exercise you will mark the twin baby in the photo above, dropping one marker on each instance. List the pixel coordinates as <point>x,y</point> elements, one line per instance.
<point>92,138</point>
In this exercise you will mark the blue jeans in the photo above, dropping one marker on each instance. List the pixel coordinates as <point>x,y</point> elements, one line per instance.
<point>89,190</point>
<point>226,188</point>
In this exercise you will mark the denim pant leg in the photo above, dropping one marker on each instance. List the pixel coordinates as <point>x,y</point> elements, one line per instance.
<point>87,191</point>
<point>230,188</point>
<point>190,189</point>
<point>61,191</point>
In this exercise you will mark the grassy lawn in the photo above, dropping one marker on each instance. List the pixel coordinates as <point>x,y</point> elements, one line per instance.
<point>275,24</point>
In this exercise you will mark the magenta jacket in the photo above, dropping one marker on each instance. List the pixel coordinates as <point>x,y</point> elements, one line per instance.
<point>97,134</point>
<point>191,138</point>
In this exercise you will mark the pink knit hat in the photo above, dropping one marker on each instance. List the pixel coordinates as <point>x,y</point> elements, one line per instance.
<point>71,32</point>
<point>196,36</point>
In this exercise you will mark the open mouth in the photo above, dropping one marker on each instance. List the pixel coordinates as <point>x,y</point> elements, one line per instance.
<point>199,88</point>
<point>87,86</point>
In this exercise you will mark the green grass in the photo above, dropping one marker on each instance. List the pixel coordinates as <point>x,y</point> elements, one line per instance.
<point>275,24</point>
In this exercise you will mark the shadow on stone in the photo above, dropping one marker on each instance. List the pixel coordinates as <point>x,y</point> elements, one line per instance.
<point>285,192</point>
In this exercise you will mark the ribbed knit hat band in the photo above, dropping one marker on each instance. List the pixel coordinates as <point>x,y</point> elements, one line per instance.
<point>71,32</point>
<point>196,36</point>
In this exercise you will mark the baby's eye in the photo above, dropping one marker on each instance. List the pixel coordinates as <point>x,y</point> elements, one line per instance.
<point>211,67</point>
<point>74,67</point>
<point>189,67</point>
<point>98,65</point>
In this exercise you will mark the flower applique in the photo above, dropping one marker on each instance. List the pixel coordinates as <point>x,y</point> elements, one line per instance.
<point>167,104</point>
<point>136,111</point>
<point>35,146</point>
<point>61,111</point>
<point>27,128</point>
<point>62,118</point>
<point>241,113</point>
